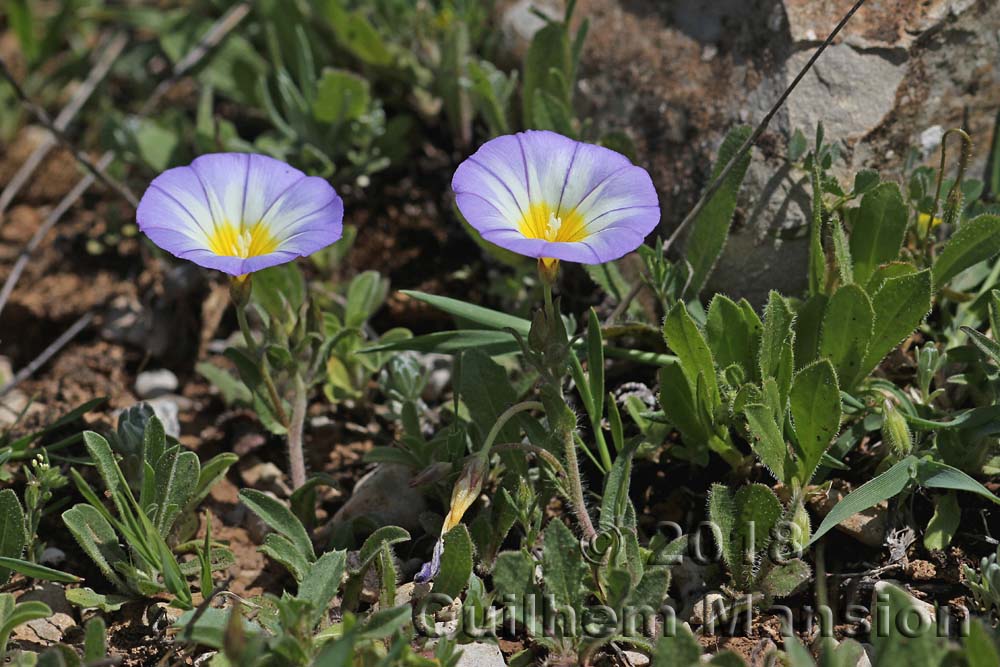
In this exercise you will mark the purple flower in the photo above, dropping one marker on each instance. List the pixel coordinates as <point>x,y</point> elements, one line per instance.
<point>544,195</point>
<point>240,213</point>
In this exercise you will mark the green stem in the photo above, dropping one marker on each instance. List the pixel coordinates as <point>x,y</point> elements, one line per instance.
<point>272,391</point>
<point>576,485</point>
<point>566,435</point>
<point>296,457</point>
<point>502,420</point>
<point>541,453</point>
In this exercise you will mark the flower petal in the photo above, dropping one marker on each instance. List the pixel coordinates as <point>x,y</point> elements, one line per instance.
<point>585,203</point>
<point>239,212</point>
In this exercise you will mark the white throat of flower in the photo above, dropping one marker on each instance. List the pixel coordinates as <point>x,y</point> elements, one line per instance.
<point>552,228</point>
<point>243,241</point>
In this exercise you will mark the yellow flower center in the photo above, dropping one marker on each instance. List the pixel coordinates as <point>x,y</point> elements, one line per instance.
<point>232,240</point>
<point>542,222</point>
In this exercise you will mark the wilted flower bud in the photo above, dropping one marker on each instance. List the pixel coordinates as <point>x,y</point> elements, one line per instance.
<point>466,490</point>
<point>895,432</point>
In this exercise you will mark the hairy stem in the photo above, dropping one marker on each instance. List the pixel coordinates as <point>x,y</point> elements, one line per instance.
<point>296,457</point>
<point>576,485</point>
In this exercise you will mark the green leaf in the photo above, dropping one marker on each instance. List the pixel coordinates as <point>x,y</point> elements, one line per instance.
<point>546,65</point>
<point>384,536</point>
<point>486,392</point>
<point>974,241</point>
<point>12,533</point>
<point>87,598</point>
<point>387,622</point>
<point>678,649</point>
<point>885,486</point>
<point>491,319</point>
<point>878,229</point>
<point>988,346</point>
<point>686,341</point>
<point>13,615</point>
<point>356,34</point>
<point>936,475</point>
<point>232,390</point>
<point>281,550</point>
<point>97,539</point>
<point>710,228</point>
<point>36,571</point>
<point>943,525</point>
<point>783,580</point>
<point>210,626</point>
<point>768,442</point>
<point>514,574</point>
<point>979,647</point>
<point>845,266</point>
<point>899,306</point>
<point>808,329</point>
<point>281,519</point>
<point>650,591</point>
<point>595,365</point>
<point>887,271</point>
<point>341,96</point>
<point>756,512</point>
<point>678,403</point>
<point>847,328</point>
<point>777,343</point>
<point>366,292</point>
<point>565,572</point>
<point>722,515</point>
<point>865,180</point>
<point>321,582</point>
<point>176,480</point>
<point>892,645</point>
<point>95,641</point>
<point>815,407</point>
<point>733,332</point>
<point>456,562</point>
<point>104,460</point>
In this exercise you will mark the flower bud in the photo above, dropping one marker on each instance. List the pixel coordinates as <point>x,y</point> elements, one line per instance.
<point>895,432</point>
<point>239,290</point>
<point>466,490</point>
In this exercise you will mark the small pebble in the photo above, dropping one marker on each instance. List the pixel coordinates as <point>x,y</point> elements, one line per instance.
<point>150,384</point>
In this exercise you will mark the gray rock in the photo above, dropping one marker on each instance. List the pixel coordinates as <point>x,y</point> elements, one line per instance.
<point>518,23</point>
<point>153,383</point>
<point>167,409</point>
<point>386,496</point>
<point>266,476</point>
<point>675,76</point>
<point>481,654</point>
<point>53,557</point>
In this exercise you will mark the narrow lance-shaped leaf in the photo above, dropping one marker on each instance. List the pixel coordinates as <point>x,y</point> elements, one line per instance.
<point>686,341</point>
<point>885,486</point>
<point>281,519</point>
<point>710,228</point>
